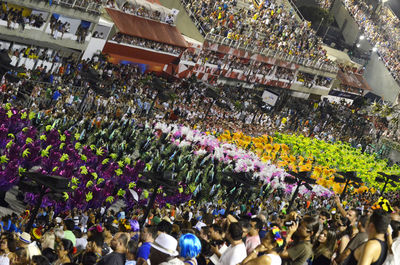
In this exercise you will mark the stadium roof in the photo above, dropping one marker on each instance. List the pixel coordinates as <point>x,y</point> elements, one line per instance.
<point>146,28</point>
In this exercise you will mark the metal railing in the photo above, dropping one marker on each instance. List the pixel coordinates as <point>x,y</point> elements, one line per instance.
<point>193,17</point>
<point>296,9</point>
<point>83,5</point>
<point>315,64</point>
<point>161,19</point>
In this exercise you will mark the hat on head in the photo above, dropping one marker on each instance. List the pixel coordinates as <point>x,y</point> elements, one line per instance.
<point>166,218</point>
<point>37,233</point>
<point>25,237</point>
<point>200,225</point>
<point>166,244</point>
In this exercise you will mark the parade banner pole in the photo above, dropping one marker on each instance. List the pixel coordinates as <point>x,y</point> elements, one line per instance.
<point>387,179</point>
<point>149,207</point>
<point>301,178</point>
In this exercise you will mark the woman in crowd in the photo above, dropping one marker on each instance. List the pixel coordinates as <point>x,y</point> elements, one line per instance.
<point>324,247</point>
<point>8,246</point>
<point>267,253</point>
<point>65,251</point>
<point>303,234</point>
<point>190,248</point>
<point>345,233</point>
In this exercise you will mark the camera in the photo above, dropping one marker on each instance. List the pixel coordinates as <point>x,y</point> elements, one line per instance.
<point>216,243</point>
<point>292,222</point>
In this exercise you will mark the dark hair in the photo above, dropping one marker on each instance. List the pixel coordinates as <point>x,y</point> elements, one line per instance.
<point>153,230</point>
<point>345,222</point>
<point>217,228</point>
<point>69,224</point>
<point>381,220</point>
<point>132,247</point>
<point>40,260</point>
<point>206,248</point>
<point>11,243</point>
<point>363,220</point>
<point>325,213</point>
<point>97,238</point>
<point>123,239</point>
<point>165,226</point>
<point>77,232</point>
<point>356,211</point>
<point>396,228</point>
<point>113,230</point>
<point>208,219</point>
<point>236,231</point>
<point>89,258</point>
<point>312,224</point>
<point>245,224</point>
<point>330,239</point>
<point>68,246</point>
<point>396,203</point>
<point>50,254</point>
<point>259,224</point>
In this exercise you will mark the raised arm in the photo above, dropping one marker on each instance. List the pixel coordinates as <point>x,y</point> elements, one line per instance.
<point>339,206</point>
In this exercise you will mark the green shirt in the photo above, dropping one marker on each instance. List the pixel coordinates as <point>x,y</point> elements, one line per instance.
<point>300,253</point>
<point>70,236</point>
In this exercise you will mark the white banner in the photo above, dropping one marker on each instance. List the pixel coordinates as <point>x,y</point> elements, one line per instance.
<point>269,98</point>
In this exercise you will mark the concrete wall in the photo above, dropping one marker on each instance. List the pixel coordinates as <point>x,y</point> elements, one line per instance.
<point>346,22</point>
<point>380,79</point>
<point>183,22</point>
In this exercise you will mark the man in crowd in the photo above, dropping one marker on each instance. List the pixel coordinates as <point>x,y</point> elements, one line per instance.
<point>119,245</point>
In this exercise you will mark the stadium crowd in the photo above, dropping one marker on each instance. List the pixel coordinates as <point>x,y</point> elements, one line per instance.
<point>16,20</point>
<point>270,27</point>
<point>132,94</point>
<point>325,4</point>
<point>323,231</point>
<point>142,11</point>
<point>382,30</point>
<point>87,5</point>
<point>319,231</point>
<point>154,45</point>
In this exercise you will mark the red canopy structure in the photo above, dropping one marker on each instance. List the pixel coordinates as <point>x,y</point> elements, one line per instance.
<point>353,80</point>
<point>147,29</point>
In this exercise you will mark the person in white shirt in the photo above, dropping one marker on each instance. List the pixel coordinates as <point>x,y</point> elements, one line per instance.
<point>393,257</point>
<point>218,245</point>
<point>236,252</point>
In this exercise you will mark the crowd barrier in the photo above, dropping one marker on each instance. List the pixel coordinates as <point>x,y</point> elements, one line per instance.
<point>316,64</point>
<point>87,6</point>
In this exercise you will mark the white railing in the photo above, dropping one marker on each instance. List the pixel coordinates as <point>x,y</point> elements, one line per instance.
<point>84,5</point>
